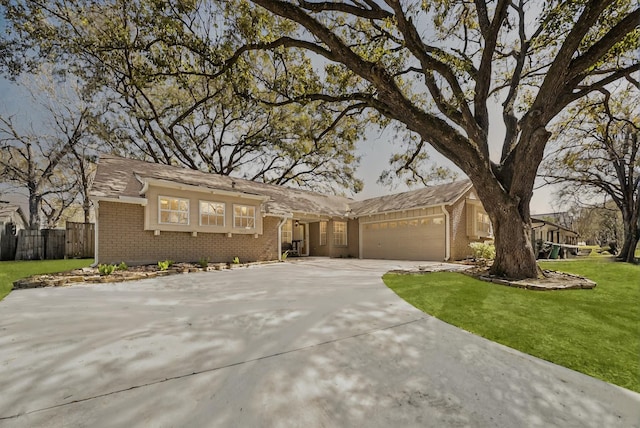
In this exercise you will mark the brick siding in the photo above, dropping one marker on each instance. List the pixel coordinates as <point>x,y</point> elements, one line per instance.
<point>121,237</point>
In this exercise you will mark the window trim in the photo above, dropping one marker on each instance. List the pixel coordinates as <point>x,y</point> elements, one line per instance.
<point>224,213</point>
<point>234,217</point>
<point>169,198</point>
<point>335,234</point>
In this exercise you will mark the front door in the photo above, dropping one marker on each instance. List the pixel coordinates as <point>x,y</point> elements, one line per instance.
<point>300,238</point>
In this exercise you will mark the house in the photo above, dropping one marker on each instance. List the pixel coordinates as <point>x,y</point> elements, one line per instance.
<point>148,212</point>
<point>542,229</point>
<point>12,219</point>
<point>544,233</point>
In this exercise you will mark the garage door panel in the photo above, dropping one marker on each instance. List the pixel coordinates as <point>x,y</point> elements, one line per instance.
<point>414,239</point>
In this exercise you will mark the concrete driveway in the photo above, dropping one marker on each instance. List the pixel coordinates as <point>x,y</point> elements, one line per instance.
<point>314,343</point>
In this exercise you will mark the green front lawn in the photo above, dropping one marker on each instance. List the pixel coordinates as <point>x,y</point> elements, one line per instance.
<point>596,332</point>
<point>11,271</point>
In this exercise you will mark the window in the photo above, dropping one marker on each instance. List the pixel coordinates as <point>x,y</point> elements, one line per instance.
<point>287,232</point>
<point>173,210</point>
<point>323,233</point>
<point>211,213</point>
<point>340,233</point>
<point>483,224</point>
<point>244,216</point>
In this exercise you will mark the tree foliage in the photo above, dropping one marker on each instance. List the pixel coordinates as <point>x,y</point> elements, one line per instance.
<point>596,151</point>
<point>436,67</point>
<point>178,94</point>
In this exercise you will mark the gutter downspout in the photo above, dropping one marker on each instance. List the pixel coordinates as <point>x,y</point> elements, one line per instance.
<point>447,237</point>
<point>280,224</point>
<point>96,206</point>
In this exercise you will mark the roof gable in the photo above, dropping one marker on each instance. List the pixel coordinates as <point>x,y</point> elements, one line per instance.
<point>444,194</point>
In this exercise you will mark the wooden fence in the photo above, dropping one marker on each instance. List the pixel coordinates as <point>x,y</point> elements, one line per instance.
<point>8,244</point>
<point>80,240</point>
<point>40,244</point>
<point>77,240</point>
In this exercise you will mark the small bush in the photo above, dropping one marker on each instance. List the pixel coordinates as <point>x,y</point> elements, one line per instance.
<point>164,265</point>
<point>106,269</point>
<point>480,250</point>
<point>236,261</point>
<point>122,266</point>
<point>203,262</point>
<point>285,255</point>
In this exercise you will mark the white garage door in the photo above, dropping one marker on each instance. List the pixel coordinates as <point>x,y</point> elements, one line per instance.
<point>414,239</point>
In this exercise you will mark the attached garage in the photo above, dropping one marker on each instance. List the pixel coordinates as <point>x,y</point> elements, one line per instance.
<point>422,238</point>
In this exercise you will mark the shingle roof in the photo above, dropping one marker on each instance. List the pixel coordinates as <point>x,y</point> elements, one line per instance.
<point>7,209</point>
<point>116,176</point>
<point>444,194</point>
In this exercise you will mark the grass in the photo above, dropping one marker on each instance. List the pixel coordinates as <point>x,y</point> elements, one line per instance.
<point>596,332</point>
<point>14,270</point>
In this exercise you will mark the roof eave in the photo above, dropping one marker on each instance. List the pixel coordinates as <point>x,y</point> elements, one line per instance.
<point>146,182</point>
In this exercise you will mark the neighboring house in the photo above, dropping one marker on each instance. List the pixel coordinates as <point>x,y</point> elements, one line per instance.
<point>562,218</point>
<point>12,219</point>
<point>148,212</point>
<point>544,230</point>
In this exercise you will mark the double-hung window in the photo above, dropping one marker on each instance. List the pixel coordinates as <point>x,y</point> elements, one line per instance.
<point>173,210</point>
<point>244,217</point>
<point>323,233</point>
<point>211,213</point>
<point>483,224</point>
<point>340,233</point>
<point>287,232</point>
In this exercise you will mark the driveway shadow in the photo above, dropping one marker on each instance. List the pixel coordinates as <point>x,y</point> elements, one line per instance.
<point>318,344</point>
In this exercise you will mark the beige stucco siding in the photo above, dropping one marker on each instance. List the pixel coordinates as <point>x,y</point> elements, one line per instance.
<point>121,237</point>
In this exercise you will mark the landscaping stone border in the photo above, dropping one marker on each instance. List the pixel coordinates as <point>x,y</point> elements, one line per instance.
<point>553,280</point>
<point>559,281</point>
<point>90,275</point>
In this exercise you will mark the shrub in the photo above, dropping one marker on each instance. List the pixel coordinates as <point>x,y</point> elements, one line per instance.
<point>285,255</point>
<point>164,265</point>
<point>203,262</point>
<point>481,250</point>
<point>236,261</point>
<point>106,269</point>
<point>122,266</point>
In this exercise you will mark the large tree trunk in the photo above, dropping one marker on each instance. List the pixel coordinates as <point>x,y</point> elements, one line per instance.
<point>631,237</point>
<point>34,208</point>
<point>509,214</point>
<point>514,253</point>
